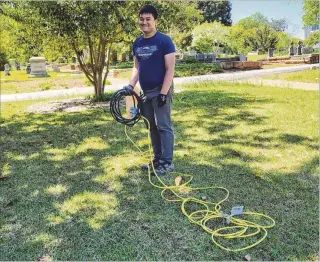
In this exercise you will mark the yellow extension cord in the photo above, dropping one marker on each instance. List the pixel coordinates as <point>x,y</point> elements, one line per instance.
<point>201,217</point>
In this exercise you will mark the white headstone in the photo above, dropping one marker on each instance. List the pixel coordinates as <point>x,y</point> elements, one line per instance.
<point>55,68</point>
<point>6,69</point>
<point>38,67</point>
<point>243,58</point>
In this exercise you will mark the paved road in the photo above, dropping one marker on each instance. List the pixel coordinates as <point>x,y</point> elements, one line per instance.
<point>119,83</point>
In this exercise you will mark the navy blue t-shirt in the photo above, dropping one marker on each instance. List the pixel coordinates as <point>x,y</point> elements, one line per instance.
<point>150,54</point>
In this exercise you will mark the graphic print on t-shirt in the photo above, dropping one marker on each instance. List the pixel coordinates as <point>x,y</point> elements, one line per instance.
<point>144,52</point>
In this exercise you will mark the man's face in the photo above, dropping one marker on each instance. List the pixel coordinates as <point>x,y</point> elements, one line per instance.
<point>147,23</point>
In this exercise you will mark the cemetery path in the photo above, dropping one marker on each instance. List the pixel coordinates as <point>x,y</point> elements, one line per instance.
<point>251,76</point>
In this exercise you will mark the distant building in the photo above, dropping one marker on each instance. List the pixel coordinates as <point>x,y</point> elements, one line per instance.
<point>309,30</point>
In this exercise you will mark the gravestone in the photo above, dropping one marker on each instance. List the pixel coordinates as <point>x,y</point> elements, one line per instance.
<point>307,50</point>
<point>291,51</point>
<point>242,58</point>
<point>38,67</point>
<point>28,68</point>
<point>200,57</point>
<point>208,58</point>
<point>271,52</point>
<point>55,68</point>
<point>18,66</point>
<point>74,60</point>
<point>7,70</point>
<point>299,47</point>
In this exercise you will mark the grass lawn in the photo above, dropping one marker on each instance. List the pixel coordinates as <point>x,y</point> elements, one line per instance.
<point>256,57</point>
<point>72,190</point>
<point>276,66</point>
<point>125,74</point>
<point>19,82</point>
<point>21,75</point>
<point>308,76</point>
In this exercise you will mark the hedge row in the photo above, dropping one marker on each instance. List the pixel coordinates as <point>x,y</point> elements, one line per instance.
<point>182,69</point>
<point>196,69</point>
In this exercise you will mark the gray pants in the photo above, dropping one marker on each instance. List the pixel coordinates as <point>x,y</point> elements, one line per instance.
<point>161,130</point>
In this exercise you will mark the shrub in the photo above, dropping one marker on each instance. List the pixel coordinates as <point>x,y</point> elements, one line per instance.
<point>196,69</point>
<point>3,61</point>
<point>61,60</point>
<point>189,60</point>
<point>123,65</point>
<point>45,86</point>
<point>102,98</point>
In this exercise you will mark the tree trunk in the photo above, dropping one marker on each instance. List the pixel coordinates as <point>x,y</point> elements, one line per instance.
<point>123,57</point>
<point>130,53</point>
<point>114,57</point>
<point>107,67</point>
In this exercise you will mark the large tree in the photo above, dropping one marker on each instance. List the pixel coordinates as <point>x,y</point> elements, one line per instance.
<point>218,10</point>
<point>313,39</point>
<point>311,12</point>
<point>18,41</point>
<point>264,38</point>
<point>206,34</point>
<point>237,39</point>
<point>280,25</point>
<point>96,25</point>
<point>253,21</point>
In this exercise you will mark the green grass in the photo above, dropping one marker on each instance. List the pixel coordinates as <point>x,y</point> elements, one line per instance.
<point>256,57</point>
<point>21,75</point>
<point>308,76</point>
<point>181,70</point>
<point>41,84</point>
<point>125,74</point>
<point>73,192</point>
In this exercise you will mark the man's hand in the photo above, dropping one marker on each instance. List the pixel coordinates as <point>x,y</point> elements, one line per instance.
<point>162,100</point>
<point>128,89</point>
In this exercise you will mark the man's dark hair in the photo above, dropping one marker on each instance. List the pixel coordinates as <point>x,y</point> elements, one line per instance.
<point>149,9</point>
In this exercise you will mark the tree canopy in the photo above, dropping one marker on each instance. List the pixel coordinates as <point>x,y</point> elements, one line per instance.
<point>93,25</point>
<point>313,39</point>
<point>205,34</point>
<point>219,11</point>
<point>311,12</point>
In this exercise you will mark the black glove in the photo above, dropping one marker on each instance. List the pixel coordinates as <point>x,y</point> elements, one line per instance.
<point>128,89</point>
<point>162,100</point>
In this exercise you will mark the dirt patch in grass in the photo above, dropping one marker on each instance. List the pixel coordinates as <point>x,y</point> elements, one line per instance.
<point>66,105</point>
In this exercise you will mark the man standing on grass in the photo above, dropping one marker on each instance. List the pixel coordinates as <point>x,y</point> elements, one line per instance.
<point>154,61</point>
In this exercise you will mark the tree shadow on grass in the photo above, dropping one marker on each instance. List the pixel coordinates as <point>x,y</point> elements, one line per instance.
<point>71,194</point>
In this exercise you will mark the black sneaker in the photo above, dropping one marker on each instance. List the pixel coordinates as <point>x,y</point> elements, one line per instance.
<point>164,168</point>
<point>155,164</point>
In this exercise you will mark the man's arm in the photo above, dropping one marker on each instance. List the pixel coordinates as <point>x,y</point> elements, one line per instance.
<point>169,60</point>
<point>135,73</point>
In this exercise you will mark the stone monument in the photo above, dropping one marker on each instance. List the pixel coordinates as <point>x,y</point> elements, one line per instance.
<point>242,58</point>
<point>55,68</point>
<point>7,70</point>
<point>271,52</point>
<point>299,48</point>
<point>28,69</point>
<point>38,67</point>
<point>291,51</point>
<point>307,50</point>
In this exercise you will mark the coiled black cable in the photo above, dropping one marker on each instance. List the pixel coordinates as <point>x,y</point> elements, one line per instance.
<point>115,107</point>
